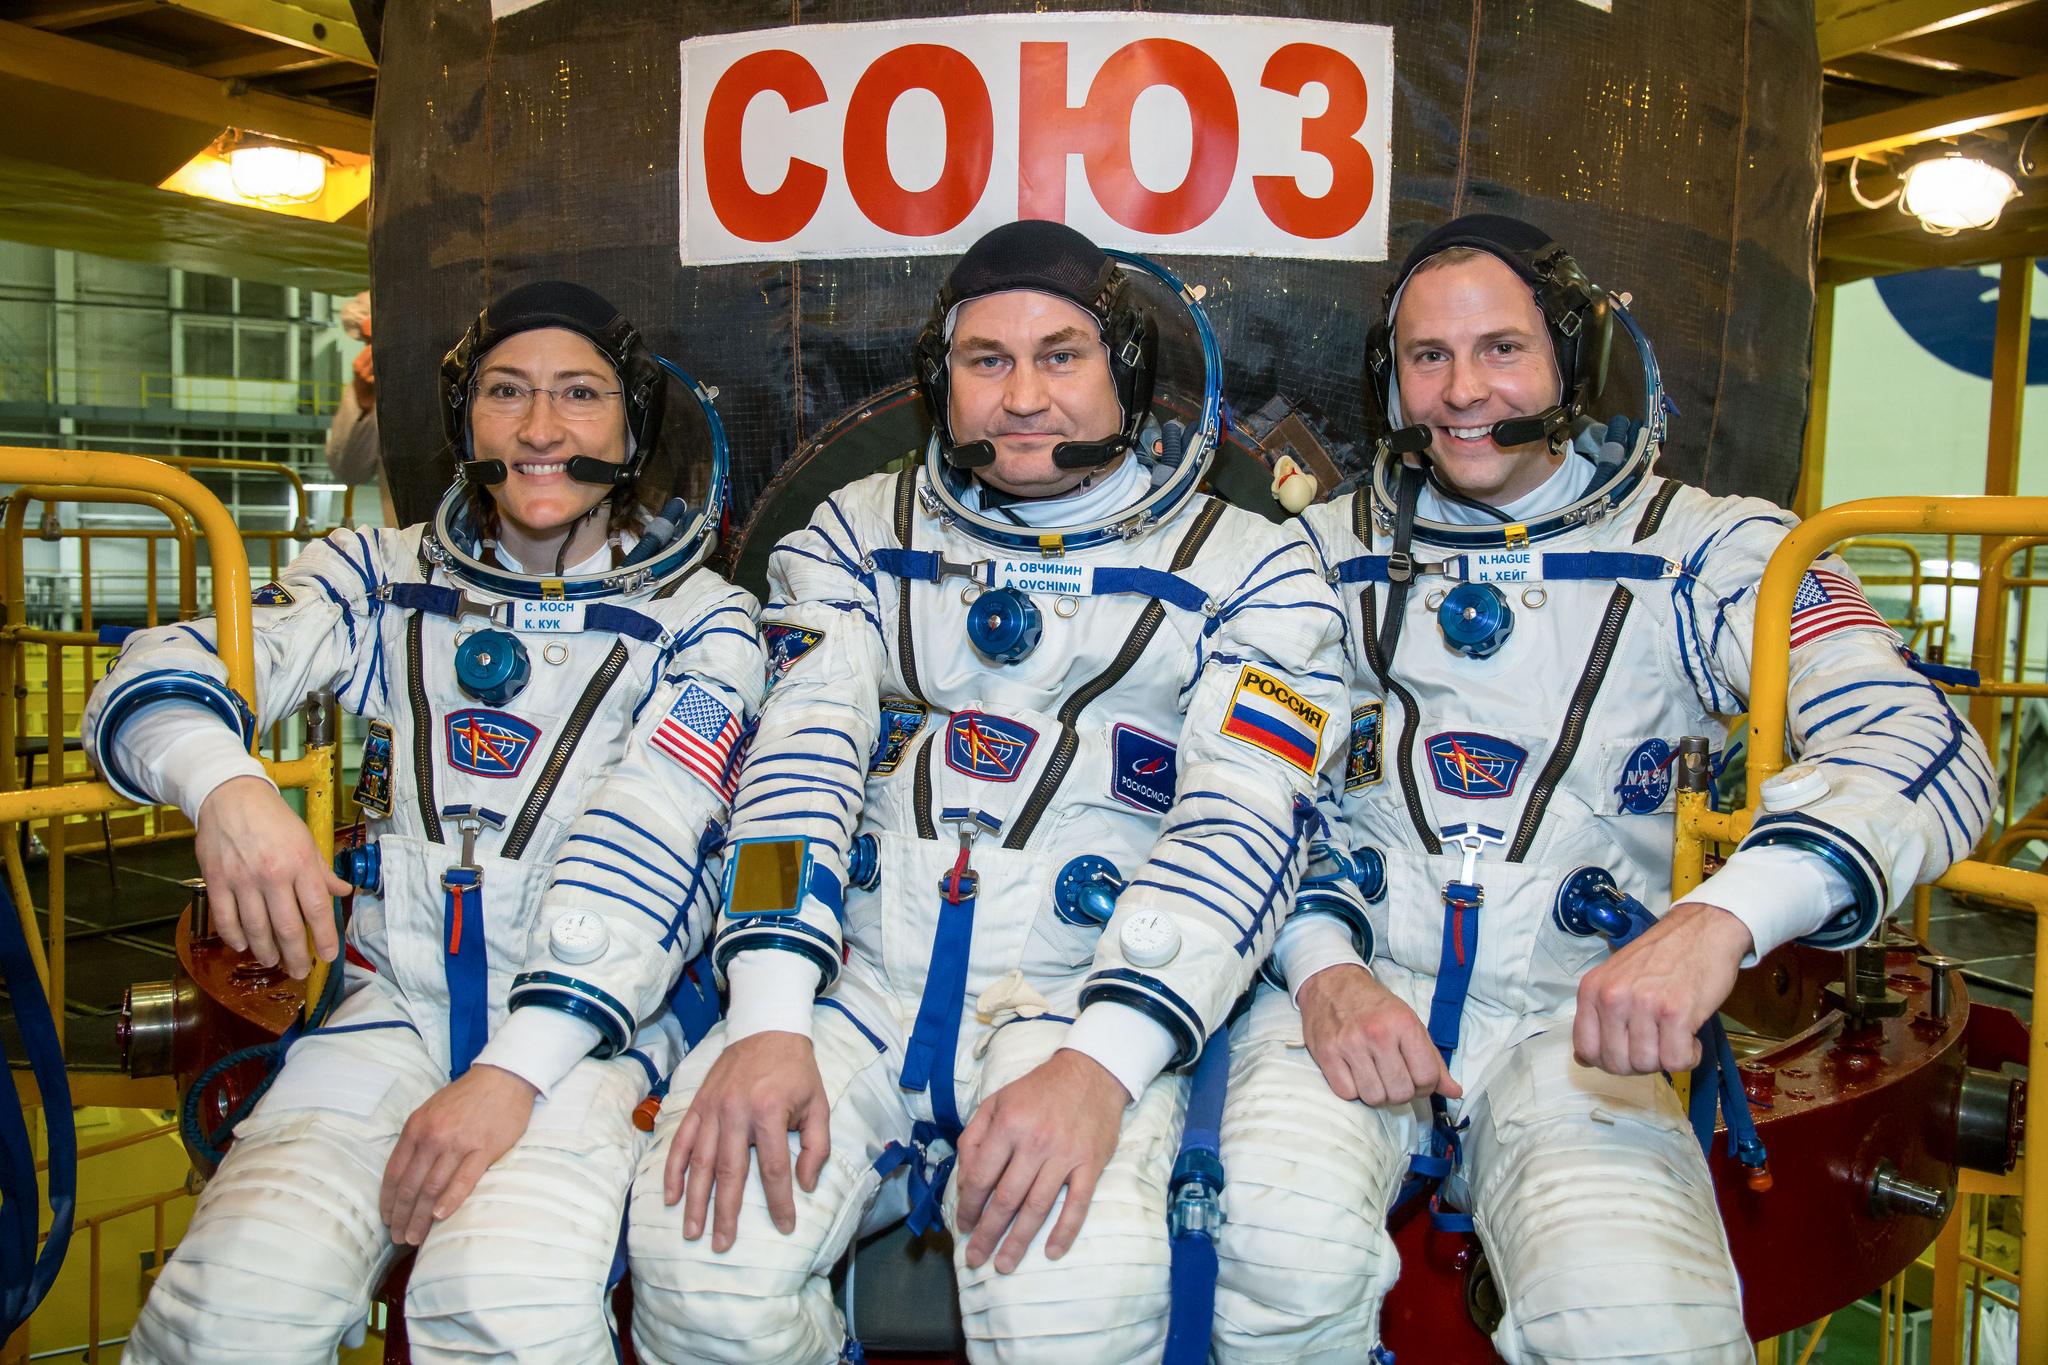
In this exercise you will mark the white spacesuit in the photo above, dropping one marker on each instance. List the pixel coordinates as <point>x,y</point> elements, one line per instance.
<point>935,819</point>
<point>497,701</point>
<point>1627,603</point>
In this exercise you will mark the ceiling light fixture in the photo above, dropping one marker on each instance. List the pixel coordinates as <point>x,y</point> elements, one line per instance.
<point>272,171</point>
<point>1954,191</point>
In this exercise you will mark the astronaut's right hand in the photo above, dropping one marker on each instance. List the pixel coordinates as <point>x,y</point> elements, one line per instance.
<point>1370,1045</point>
<point>760,1090</point>
<point>265,879</point>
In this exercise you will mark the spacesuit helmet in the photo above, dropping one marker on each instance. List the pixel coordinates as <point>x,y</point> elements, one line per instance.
<point>1163,361</point>
<point>663,487</point>
<point>1580,318</point>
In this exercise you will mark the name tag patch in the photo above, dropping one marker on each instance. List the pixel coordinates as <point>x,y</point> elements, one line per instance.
<point>1142,769</point>
<point>785,644</point>
<point>1268,714</point>
<point>373,784</point>
<point>901,720</point>
<point>988,747</point>
<point>548,618</point>
<point>1474,766</point>
<point>1645,778</point>
<point>489,743</point>
<point>1365,764</point>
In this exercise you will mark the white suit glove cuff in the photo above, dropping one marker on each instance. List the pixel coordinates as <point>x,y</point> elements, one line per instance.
<point>1310,943</point>
<point>772,991</point>
<point>180,751</point>
<point>1126,1043</point>
<point>540,1046</point>
<point>1778,891</point>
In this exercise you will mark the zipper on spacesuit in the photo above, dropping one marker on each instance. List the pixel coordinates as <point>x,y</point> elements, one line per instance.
<point>422,729</point>
<point>1139,640</point>
<point>1411,712</point>
<point>558,759</point>
<point>906,643</point>
<point>1574,728</point>
<point>921,789</point>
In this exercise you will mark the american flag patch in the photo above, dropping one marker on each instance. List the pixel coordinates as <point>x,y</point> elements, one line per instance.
<point>701,733</point>
<point>1828,602</point>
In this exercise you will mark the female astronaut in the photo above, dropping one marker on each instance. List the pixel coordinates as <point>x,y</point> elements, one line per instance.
<point>473,1093</point>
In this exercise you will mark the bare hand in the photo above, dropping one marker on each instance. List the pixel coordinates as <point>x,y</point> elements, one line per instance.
<point>1640,1010</point>
<point>365,380</point>
<point>1370,1045</point>
<point>265,880</point>
<point>1055,1127</point>
<point>759,1091</point>
<point>448,1144</point>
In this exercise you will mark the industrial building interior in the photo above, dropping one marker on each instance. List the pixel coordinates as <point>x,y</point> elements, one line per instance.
<point>158,299</point>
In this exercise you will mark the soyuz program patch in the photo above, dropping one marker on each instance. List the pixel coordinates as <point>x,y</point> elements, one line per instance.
<point>1142,770</point>
<point>901,720</point>
<point>785,644</point>
<point>1477,767</point>
<point>271,595</point>
<point>1268,714</point>
<point>988,747</point>
<point>489,743</point>
<point>1365,763</point>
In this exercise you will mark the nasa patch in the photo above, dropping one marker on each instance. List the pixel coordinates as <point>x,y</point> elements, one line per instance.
<point>1474,766</point>
<point>1645,778</point>
<point>785,644</point>
<point>489,743</point>
<point>373,786</point>
<point>1365,764</point>
<point>901,720</point>
<point>271,595</point>
<point>988,747</point>
<point>1142,769</point>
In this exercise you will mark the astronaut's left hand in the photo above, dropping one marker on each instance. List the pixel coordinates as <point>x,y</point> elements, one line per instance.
<point>1640,1010</point>
<point>448,1144</point>
<point>1056,1126</point>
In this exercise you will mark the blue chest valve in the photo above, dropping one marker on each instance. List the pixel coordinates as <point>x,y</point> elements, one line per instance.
<point>1590,903</point>
<point>491,666</point>
<point>1004,625</point>
<point>864,863</point>
<point>1475,619</point>
<point>361,867</point>
<point>1086,890</point>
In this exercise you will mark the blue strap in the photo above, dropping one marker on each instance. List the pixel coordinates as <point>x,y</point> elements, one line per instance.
<point>1943,673</point>
<point>1599,564</point>
<point>694,1001</point>
<point>1155,583</point>
<point>927,1182</point>
<point>1603,564</point>
<point>469,977</point>
<point>1197,1182</point>
<point>935,1040</point>
<point>428,597</point>
<point>1454,964</point>
<point>921,565</point>
<point>1192,1317</point>
<point>622,621</point>
<point>25,1276</point>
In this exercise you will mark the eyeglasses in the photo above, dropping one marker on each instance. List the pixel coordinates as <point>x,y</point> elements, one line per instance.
<point>573,403</point>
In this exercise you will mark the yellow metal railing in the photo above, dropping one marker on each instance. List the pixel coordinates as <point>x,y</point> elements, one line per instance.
<point>1770,672</point>
<point>135,389</point>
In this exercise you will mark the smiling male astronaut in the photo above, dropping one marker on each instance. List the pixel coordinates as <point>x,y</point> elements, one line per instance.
<point>1542,620</point>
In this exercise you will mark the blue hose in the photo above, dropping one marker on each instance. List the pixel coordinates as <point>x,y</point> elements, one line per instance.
<point>25,1275</point>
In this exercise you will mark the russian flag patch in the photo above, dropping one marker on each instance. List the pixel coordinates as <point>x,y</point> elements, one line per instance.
<point>1268,714</point>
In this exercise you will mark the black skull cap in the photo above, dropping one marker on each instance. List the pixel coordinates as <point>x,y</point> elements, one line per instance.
<point>1039,255</point>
